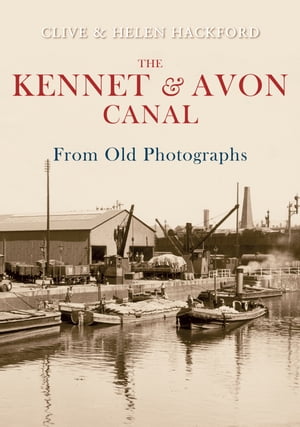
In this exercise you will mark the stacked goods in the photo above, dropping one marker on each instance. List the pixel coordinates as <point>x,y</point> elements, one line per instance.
<point>144,307</point>
<point>226,309</point>
<point>175,263</point>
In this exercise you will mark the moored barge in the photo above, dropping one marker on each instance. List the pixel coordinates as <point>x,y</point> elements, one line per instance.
<point>113,313</point>
<point>21,320</point>
<point>198,316</point>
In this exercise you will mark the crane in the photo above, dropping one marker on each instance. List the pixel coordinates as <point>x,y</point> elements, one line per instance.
<point>215,227</point>
<point>121,234</point>
<point>173,239</point>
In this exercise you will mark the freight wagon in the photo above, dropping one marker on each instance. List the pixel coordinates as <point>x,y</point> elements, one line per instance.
<point>22,272</point>
<point>27,273</point>
<point>70,274</point>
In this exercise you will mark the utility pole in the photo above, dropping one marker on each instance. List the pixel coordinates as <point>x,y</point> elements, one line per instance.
<point>215,275</point>
<point>237,238</point>
<point>47,170</point>
<point>291,212</point>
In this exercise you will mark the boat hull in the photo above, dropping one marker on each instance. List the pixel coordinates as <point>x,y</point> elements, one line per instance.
<point>29,334</point>
<point>118,314</point>
<point>15,321</point>
<point>206,318</point>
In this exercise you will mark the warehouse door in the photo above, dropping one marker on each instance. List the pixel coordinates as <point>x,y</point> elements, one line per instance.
<point>98,253</point>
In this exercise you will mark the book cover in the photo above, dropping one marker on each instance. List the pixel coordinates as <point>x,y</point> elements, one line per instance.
<point>159,105</point>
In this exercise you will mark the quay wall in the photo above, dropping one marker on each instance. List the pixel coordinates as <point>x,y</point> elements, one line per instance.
<point>286,282</point>
<point>23,297</point>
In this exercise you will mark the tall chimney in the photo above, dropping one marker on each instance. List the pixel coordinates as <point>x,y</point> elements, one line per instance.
<point>247,220</point>
<point>206,219</point>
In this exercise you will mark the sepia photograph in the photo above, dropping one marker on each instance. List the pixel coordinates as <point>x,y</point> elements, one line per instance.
<point>150,215</point>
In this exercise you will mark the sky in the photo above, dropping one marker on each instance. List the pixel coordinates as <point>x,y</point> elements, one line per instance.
<point>264,127</point>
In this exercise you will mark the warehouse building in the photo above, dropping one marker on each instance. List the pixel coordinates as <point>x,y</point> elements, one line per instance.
<point>75,238</point>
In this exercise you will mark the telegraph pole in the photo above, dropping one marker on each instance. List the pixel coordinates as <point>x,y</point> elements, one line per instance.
<point>47,170</point>
<point>237,238</point>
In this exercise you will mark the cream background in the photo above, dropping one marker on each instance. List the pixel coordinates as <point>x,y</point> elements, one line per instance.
<point>266,127</point>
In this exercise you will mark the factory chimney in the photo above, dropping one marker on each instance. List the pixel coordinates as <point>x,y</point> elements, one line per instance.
<point>206,219</point>
<point>247,220</point>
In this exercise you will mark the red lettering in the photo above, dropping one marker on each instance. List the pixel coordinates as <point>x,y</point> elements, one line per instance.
<point>280,88</point>
<point>139,82</point>
<point>20,85</point>
<point>186,116</point>
<point>73,88</point>
<point>242,86</point>
<point>202,84</point>
<point>105,114</point>
<point>116,84</point>
<point>151,113</point>
<point>221,80</point>
<point>130,113</point>
<point>172,115</point>
<point>89,79</point>
<point>44,84</point>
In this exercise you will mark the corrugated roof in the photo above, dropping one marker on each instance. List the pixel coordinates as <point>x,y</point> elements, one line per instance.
<point>67,221</point>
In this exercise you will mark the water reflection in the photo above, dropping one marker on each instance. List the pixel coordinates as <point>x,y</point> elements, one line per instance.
<point>117,347</point>
<point>30,347</point>
<point>125,373</point>
<point>33,346</point>
<point>193,338</point>
<point>206,338</point>
<point>46,391</point>
<point>135,374</point>
<point>280,329</point>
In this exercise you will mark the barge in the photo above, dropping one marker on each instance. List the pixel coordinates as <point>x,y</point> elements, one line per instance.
<point>113,313</point>
<point>22,320</point>
<point>200,317</point>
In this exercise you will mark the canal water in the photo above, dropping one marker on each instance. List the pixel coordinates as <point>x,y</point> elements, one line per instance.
<point>156,375</point>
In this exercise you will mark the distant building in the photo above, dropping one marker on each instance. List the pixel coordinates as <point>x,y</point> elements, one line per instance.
<point>75,238</point>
